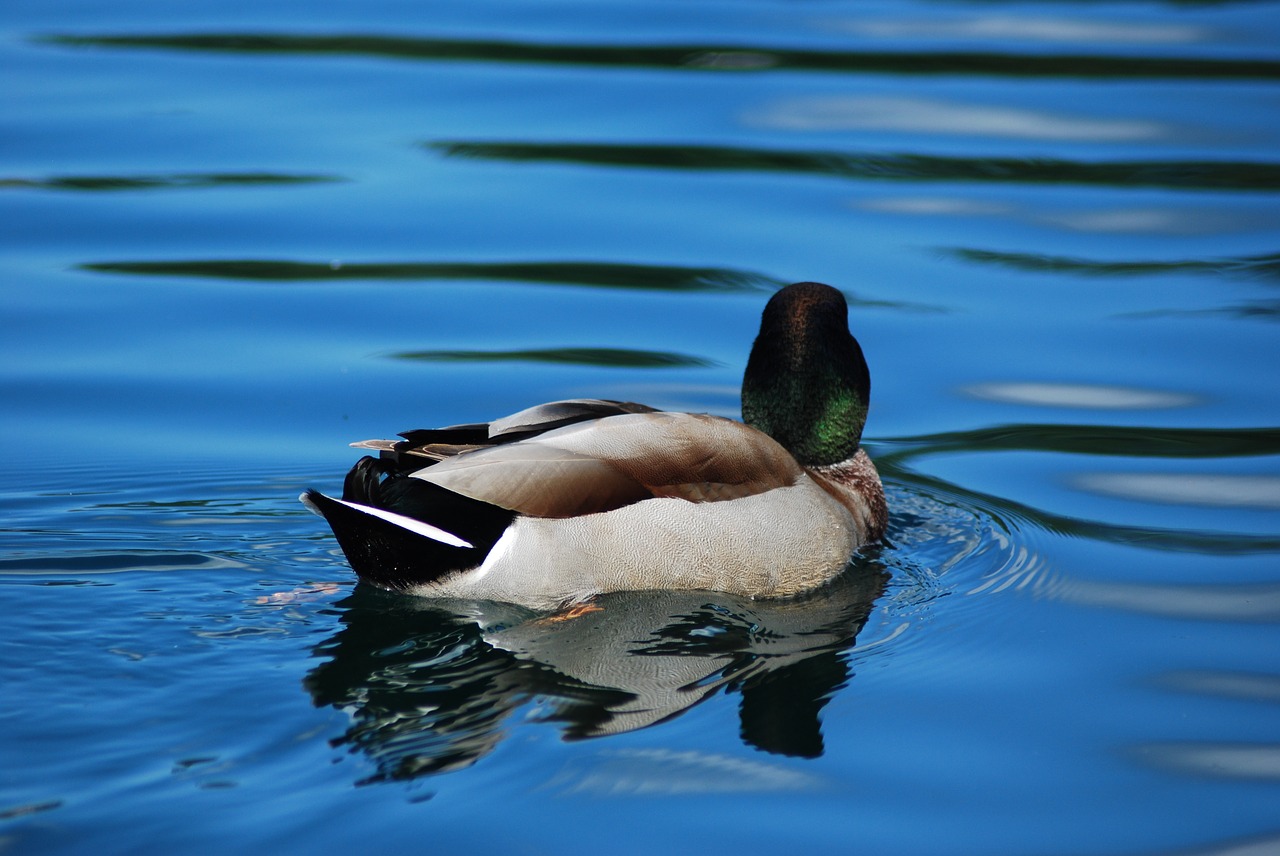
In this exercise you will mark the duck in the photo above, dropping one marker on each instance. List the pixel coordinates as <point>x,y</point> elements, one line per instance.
<point>554,505</point>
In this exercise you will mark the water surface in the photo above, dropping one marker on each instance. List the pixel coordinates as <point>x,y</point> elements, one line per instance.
<point>240,236</point>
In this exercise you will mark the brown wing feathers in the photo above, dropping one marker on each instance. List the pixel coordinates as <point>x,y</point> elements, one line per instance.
<point>537,480</point>
<point>608,463</point>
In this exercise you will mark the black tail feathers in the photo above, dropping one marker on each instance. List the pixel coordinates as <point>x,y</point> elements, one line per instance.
<point>393,557</point>
<point>363,483</point>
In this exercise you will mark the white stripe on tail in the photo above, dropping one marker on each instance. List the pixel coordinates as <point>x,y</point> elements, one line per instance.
<point>418,527</point>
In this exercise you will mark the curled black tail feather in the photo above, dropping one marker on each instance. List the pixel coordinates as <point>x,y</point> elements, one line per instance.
<point>392,557</point>
<point>363,482</point>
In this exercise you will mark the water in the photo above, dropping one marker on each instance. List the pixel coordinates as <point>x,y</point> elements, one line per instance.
<point>239,236</point>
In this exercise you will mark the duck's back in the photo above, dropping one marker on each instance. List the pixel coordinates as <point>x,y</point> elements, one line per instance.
<point>713,504</point>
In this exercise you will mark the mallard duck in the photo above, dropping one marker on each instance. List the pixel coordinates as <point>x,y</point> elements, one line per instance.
<point>558,503</point>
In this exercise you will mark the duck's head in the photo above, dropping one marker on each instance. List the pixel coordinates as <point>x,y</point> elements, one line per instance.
<point>807,384</point>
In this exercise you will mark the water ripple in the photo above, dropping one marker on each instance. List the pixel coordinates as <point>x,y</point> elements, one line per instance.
<point>663,771</point>
<point>1244,602</point>
<point>1146,441</point>
<point>1226,175</point>
<point>593,274</point>
<point>1259,761</point>
<point>1078,395</point>
<point>1221,490</point>
<point>1266,265</point>
<point>1151,538</point>
<point>1021,28</point>
<point>924,116</point>
<point>605,357</point>
<point>944,543</point>
<point>113,563</point>
<point>693,57</point>
<point>171,181</point>
<point>1249,686</point>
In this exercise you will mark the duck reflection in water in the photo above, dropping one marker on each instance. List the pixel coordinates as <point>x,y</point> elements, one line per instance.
<point>429,683</point>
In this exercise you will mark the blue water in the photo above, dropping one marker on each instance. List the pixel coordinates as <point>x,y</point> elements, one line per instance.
<point>238,236</point>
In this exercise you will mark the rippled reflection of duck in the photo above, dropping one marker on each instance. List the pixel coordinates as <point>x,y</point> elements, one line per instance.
<point>429,683</point>
<point>565,501</point>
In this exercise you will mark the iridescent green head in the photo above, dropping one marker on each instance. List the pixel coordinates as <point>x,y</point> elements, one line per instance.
<point>807,384</point>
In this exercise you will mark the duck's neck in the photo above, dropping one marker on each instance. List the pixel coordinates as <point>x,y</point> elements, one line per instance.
<point>806,383</point>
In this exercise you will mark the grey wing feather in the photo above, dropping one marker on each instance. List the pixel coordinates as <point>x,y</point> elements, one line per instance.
<point>557,414</point>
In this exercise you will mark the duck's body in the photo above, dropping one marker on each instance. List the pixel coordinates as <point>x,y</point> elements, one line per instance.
<point>567,500</point>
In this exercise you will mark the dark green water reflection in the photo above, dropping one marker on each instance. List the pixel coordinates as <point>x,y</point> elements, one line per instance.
<point>1232,175</point>
<point>604,357</point>
<point>1265,266</point>
<point>708,57</point>
<point>173,181</point>
<point>593,274</point>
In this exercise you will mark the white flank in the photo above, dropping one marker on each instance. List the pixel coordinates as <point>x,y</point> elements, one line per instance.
<point>418,527</point>
<point>500,549</point>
